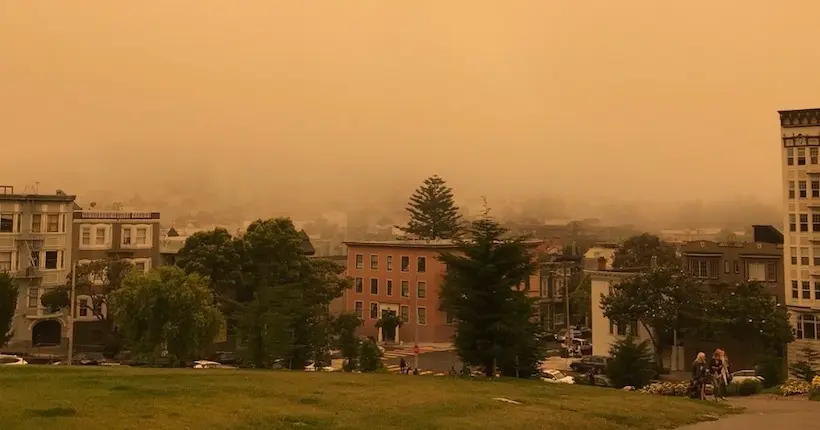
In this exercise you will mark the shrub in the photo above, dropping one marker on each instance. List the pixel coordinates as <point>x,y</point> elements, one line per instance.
<point>814,394</point>
<point>745,388</point>
<point>678,389</point>
<point>370,358</point>
<point>794,387</point>
<point>631,363</point>
<point>771,369</point>
<point>806,367</point>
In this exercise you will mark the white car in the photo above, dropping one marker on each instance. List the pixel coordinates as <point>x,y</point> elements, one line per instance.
<point>205,364</point>
<point>745,375</point>
<point>11,360</point>
<point>556,377</point>
<point>312,368</point>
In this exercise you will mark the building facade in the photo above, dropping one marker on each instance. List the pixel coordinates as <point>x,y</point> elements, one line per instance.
<point>800,142</point>
<point>35,248</point>
<point>131,236</point>
<point>404,277</point>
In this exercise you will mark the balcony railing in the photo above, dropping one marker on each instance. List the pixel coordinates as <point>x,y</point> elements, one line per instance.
<point>114,215</point>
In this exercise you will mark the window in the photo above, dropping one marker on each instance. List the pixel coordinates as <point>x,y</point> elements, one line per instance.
<point>771,272</point>
<point>790,156</point>
<point>806,327</point>
<point>422,316</point>
<point>727,266</point>
<point>737,267</point>
<point>359,288</point>
<point>801,157</point>
<point>33,297</point>
<point>7,223</point>
<point>816,290</point>
<point>359,261</point>
<point>53,223</point>
<point>389,263</point>
<point>813,155</point>
<point>405,263</point>
<point>5,261</point>
<point>806,289</point>
<point>374,262</point>
<point>421,264</point>
<point>611,327</point>
<point>35,259</point>
<point>51,259</point>
<point>142,236</point>
<point>704,268</point>
<point>448,318</point>
<point>405,314</point>
<point>815,189</point>
<point>633,328</point>
<point>804,222</point>
<point>36,223</point>
<point>83,307</point>
<point>99,236</point>
<point>793,255</point>
<point>804,256</point>
<point>140,266</point>
<point>791,190</point>
<point>85,236</point>
<point>374,286</point>
<point>405,288</point>
<point>126,236</point>
<point>815,221</point>
<point>421,290</point>
<point>802,186</point>
<point>756,272</point>
<point>792,222</point>
<point>358,310</point>
<point>389,287</point>
<point>794,290</point>
<point>374,310</point>
<point>621,329</point>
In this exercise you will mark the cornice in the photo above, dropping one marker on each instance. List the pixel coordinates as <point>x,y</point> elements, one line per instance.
<point>799,118</point>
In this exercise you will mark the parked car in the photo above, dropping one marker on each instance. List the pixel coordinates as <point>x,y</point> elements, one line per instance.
<point>556,377</point>
<point>11,360</point>
<point>312,368</point>
<point>206,364</point>
<point>88,359</point>
<point>745,375</point>
<point>562,334</point>
<point>593,363</point>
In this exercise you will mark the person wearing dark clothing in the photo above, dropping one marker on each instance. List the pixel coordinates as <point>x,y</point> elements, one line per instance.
<point>699,375</point>
<point>719,370</point>
<point>402,365</point>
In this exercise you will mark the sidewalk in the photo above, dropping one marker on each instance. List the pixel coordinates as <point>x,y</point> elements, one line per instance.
<point>767,413</point>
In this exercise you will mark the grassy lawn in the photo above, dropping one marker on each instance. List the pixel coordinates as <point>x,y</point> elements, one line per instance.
<point>90,398</point>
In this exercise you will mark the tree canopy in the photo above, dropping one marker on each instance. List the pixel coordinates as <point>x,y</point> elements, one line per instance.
<point>219,256</point>
<point>166,309</point>
<point>637,251</point>
<point>8,304</point>
<point>98,279</point>
<point>433,212</point>
<point>482,291</point>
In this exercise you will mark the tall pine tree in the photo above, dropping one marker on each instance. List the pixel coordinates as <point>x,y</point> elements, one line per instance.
<point>433,213</point>
<point>483,291</point>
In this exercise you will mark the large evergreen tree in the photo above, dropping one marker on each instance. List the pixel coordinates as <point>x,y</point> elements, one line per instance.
<point>433,213</point>
<point>483,292</point>
<point>8,302</point>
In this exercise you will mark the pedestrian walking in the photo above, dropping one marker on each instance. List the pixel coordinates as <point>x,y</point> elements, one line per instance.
<point>402,365</point>
<point>697,387</point>
<point>719,379</point>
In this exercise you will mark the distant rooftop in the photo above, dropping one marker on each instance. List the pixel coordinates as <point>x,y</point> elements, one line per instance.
<point>416,243</point>
<point>7,194</point>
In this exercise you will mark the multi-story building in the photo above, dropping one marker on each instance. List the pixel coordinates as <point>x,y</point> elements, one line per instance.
<point>402,276</point>
<point>35,247</point>
<point>557,273</point>
<point>800,142</point>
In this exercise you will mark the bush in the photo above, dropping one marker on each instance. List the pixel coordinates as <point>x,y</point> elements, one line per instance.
<point>771,369</point>
<point>370,357</point>
<point>794,387</point>
<point>814,394</point>
<point>631,363</point>
<point>677,389</point>
<point>745,388</point>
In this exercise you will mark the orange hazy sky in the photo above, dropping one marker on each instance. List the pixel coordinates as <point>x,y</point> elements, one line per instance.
<point>632,99</point>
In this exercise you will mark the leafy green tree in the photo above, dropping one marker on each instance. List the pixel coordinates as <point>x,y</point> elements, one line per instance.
<point>166,309</point>
<point>483,291</point>
<point>370,356</point>
<point>631,363</point>
<point>55,299</point>
<point>219,256</point>
<point>346,339</point>
<point>433,213</point>
<point>662,299</point>
<point>637,251</point>
<point>286,319</point>
<point>98,279</point>
<point>8,303</point>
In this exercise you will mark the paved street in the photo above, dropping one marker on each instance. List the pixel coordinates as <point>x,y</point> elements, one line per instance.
<point>767,413</point>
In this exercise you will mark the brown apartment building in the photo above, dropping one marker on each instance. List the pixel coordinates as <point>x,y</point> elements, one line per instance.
<point>98,235</point>
<point>722,264</point>
<point>403,276</point>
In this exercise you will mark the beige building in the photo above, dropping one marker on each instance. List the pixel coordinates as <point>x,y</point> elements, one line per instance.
<point>35,247</point>
<point>800,142</point>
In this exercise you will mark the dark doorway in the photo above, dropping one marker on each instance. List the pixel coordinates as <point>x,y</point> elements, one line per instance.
<point>46,333</point>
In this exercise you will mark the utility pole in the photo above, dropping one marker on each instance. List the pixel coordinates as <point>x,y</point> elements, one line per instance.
<point>416,325</point>
<point>71,313</point>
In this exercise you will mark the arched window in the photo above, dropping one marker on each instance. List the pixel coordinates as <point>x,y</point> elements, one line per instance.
<point>806,327</point>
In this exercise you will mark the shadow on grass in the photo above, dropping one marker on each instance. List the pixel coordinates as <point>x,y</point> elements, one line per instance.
<point>285,422</point>
<point>55,412</point>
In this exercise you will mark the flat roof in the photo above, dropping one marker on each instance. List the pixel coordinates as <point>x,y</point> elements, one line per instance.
<point>415,243</point>
<point>38,197</point>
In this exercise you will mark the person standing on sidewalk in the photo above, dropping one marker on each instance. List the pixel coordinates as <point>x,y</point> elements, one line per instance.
<point>402,365</point>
